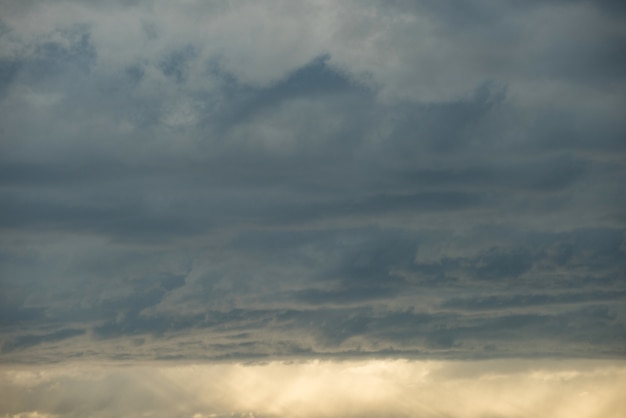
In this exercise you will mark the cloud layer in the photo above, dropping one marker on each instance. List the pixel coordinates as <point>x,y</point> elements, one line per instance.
<point>399,388</point>
<point>240,180</point>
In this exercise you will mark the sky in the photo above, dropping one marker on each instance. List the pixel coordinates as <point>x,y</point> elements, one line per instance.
<point>312,209</point>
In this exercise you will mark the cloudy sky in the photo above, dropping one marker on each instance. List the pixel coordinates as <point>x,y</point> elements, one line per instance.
<point>238,208</point>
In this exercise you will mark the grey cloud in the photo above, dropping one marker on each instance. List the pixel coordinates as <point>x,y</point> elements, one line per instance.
<point>345,295</point>
<point>591,60</point>
<point>123,219</point>
<point>441,127</point>
<point>551,174</point>
<point>310,81</point>
<point>53,60</point>
<point>17,315</point>
<point>611,6</point>
<point>451,187</point>
<point>174,64</point>
<point>25,341</point>
<point>8,71</point>
<point>501,264</point>
<point>378,205</point>
<point>529,300</point>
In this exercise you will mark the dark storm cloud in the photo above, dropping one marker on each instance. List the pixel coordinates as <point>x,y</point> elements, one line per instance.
<point>410,179</point>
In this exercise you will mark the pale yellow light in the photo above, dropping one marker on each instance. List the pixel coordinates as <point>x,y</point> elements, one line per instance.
<point>307,389</point>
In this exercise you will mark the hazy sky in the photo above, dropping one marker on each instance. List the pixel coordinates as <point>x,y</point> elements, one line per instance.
<point>405,188</point>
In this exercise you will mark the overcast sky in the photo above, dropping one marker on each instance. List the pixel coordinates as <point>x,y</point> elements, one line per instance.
<point>243,181</point>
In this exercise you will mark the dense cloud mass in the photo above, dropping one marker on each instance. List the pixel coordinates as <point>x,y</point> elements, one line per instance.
<point>268,180</point>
